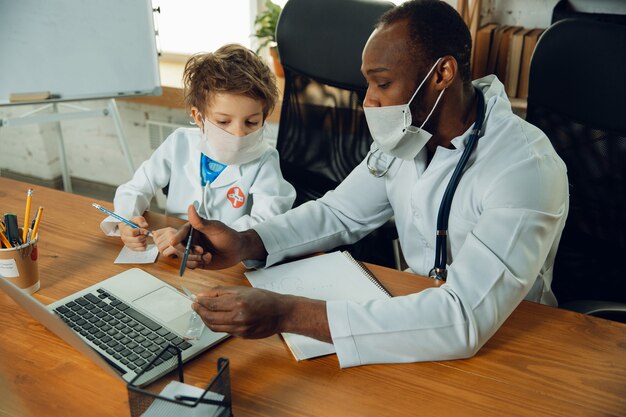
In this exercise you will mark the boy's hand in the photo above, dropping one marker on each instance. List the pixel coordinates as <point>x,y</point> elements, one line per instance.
<point>162,238</point>
<point>134,239</point>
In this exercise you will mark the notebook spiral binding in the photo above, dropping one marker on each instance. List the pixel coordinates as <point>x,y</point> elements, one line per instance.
<point>367,273</point>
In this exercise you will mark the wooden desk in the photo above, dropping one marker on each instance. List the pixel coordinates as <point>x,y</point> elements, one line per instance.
<point>543,361</point>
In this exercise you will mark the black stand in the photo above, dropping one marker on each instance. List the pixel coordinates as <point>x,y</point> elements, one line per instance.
<point>148,402</point>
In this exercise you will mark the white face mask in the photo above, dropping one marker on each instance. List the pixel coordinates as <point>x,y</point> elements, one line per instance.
<point>229,149</point>
<point>391,128</point>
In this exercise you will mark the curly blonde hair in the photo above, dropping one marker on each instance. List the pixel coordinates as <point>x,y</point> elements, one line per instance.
<point>232,69</point>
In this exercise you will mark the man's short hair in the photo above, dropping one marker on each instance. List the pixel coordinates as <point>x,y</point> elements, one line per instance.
<point>232,69</point>
<point>436,30</point>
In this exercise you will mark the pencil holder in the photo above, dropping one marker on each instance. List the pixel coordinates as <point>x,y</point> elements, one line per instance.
<point>19,265</point>
<point>170,396</point>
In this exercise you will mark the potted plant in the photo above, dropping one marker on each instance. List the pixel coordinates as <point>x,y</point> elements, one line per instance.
<point>265,25</point>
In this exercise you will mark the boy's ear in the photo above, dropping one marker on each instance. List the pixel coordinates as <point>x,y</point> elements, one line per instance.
<point>197,116</point>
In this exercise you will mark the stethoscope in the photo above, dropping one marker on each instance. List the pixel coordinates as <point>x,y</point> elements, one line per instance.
<point>441,243</point>
<point>375,171</point>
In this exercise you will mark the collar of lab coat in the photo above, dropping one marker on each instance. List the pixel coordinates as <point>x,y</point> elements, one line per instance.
<point>229,175</point>
<point>494,93</point>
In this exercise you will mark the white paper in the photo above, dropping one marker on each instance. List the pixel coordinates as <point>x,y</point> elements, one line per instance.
<point>174,388</point>
<point>8,268</point>
<point>128,256</point>
<point>333,276</point>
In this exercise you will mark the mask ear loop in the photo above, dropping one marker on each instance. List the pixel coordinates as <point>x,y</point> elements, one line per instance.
<point>193,122</point>
<point>407,114</point>
<point>433,109</point>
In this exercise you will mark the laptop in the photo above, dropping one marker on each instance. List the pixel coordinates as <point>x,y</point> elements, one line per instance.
<point>122,324</point>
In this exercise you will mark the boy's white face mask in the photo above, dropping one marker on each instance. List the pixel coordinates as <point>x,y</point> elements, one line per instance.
<point>229,149</point>
<point>391,128</point>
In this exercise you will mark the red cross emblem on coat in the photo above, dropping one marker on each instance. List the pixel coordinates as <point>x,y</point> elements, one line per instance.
<point>236,197</point>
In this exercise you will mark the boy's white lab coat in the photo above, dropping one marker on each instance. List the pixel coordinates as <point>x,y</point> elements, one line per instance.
<point>241,196</point>
<point>506,220</point>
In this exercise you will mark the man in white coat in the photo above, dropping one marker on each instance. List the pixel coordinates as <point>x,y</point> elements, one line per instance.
<point>505,219</point>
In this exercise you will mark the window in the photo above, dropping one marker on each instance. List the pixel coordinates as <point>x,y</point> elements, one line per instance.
<point>189,26</point>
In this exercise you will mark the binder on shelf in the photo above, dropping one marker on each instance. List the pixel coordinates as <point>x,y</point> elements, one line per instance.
<point>170,396</point>
<point>482,45</point>
<point>492,60</point>
<point>514,61</point>
<point>503,52</point>
<point>530,41</point>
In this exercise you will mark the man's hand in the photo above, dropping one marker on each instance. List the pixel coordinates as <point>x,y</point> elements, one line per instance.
<point>217,246</point>
<point>242,311</point>
<point>254,313</point>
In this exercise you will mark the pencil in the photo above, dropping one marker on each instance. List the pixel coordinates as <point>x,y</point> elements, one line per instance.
<point>37,221</point>
<point>118,217</point>
<point>29,197</point>
<point>5,241</point>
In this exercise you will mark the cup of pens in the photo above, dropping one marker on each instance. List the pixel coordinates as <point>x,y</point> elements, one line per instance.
<point>19,264</point>
<point>18,248</point>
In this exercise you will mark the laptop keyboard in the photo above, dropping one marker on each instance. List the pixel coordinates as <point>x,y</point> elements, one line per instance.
<point>122,332</point>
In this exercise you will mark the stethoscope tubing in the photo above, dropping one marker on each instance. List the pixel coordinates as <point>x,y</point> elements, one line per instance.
<point>441,241</point>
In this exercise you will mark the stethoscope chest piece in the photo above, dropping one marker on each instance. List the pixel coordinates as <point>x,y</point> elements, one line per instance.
<point>373,169</point>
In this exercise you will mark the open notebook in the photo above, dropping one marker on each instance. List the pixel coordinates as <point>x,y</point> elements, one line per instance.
<point>333,276</point>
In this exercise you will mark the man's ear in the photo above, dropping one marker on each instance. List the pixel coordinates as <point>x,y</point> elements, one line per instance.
<point>445,72</point>
<point>197,116</point>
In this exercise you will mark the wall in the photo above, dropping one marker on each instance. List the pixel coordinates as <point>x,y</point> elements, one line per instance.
<point>91,145</point>
<point>526,13</point>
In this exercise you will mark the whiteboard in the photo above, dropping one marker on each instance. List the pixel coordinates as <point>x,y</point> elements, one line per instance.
<point>78,49</point>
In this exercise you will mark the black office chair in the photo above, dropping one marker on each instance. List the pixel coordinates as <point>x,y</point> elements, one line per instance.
<point>577,91</point>
<point>565,10</point>
<point>323,134</point>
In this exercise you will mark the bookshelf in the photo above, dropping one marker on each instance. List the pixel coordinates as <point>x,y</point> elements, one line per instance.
<point>504,34</point>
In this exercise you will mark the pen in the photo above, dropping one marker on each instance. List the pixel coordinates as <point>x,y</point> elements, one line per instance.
<point>33,233</point>
<point>118,217</point>
<point>32,226</point>
<point>29,197</point>
<point>12,232</point>
<point>183,264</point>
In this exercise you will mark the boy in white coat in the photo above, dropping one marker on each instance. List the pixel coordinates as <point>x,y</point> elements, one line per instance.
<point>225,167</point>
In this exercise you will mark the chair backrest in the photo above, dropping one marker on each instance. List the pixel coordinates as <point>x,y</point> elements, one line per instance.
<point>323,134</point>
<point>606,11</point>
<point>577,95</point>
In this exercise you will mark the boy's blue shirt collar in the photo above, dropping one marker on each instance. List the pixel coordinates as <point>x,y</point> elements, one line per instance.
<point>209,169</point>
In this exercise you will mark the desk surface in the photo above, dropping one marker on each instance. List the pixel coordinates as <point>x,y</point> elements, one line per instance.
<point>543,361</point>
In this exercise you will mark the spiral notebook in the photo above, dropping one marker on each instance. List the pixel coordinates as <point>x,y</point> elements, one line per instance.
<point>332,276</point>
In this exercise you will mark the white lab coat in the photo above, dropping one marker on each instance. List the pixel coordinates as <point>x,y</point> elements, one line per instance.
<point>505,223</point>
<point>241,196</point>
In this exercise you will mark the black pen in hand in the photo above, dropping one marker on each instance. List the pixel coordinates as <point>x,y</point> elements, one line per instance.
<point>183,265</point>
